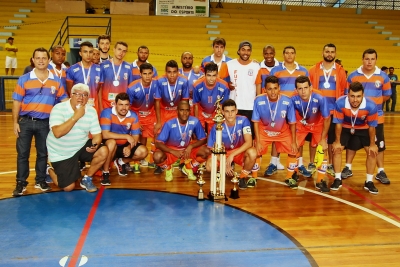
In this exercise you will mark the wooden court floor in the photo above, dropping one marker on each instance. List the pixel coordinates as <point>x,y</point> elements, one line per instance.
<point>350,227</point>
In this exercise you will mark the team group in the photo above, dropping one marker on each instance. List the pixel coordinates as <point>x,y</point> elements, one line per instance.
<point>102,110</point>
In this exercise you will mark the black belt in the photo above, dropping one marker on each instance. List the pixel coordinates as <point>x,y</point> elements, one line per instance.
<point>33,119</point>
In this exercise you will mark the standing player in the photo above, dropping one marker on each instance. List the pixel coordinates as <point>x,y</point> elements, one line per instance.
<point>236,137</point>
<point>377,87</point>
<point>87,73</point>
<point>96,56</point>
<point>275,121</point>
<point>56,65</point>
<point>312,117</point>
<point>355,117</point>
<point>143,55</point>
<point>174,142</point>
<point>103,42</point>
<point>330,78</point>
<point>192,74</point>
<point>206,92</point>
<point>266,66</point>
<point>219,58</point>
<point>116,75</point>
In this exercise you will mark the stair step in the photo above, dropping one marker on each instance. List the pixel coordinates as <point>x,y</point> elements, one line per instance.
<point>214,32</point>
<point>211,26</point>
<point>20,16</point>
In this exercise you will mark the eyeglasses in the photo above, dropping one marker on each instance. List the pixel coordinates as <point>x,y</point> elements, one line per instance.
<point>80,95</point>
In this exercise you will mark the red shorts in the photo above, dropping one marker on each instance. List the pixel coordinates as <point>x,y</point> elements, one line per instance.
<point>283,141</point>
<point>147,123</point>
<point>166,115</point>
<point>171,158</point>
<point>302,131</point>
<point>238,159</point>
<point>206,118</point>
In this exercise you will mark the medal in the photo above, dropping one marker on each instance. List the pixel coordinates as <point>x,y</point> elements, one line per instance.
<point>147,105</point>
<point>172,104</point>
<point>86,77</point>
<point>327,75</point>
<point>273,124</point>
<point>273,115</point>
<point>353,122</point>
<point>182,143</point>
<point>115,83</point>
<point>231,136</point>
<point>327,85</point>
<point>232,146</point>
<point>116,74</point>
<point>303,121</point>
<point>352,130</point>
<point>183,134</point>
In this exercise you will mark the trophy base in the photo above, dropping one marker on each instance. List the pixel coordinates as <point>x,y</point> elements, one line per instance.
<point>200,196</point>
<point>234,194</point>
<point>213,197</point>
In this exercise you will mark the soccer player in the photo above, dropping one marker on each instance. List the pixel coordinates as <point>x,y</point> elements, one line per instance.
<point>121,129</point>
<point>87,73</point>
<point>377,87</point>
<point>103,42</point>
<point>275,121</point>
<point>116,75</point>
<point>219,58</point>
<point>172,88</point>
<point>329,78</point>
<point>356,117</point>
<point>96,56</point>
<point>143,55</point>
<point>312,117</point>
<point>174,142</point>
<point>187,69</point>
<point>266,66</point>
<point>141,93</point>
<point>236,137</point>
<point>206,92</point>
<point>56,65</point>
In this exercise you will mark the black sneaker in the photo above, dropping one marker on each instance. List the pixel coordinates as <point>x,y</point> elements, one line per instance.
<point>322,187</point>
<point>242,184</point>
<point>121,168</point>
<point>252,182</point>
<point>158,170</point>
<point>82,165</point>
<point>369,186</point>
<point>382,177</point>
<point>20,188</point>
<point>43,186</point>
<point>337,183</point>
<point>346,173</point>
<point>106,179</point>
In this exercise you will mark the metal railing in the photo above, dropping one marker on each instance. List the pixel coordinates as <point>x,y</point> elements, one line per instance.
<point>74,26</point>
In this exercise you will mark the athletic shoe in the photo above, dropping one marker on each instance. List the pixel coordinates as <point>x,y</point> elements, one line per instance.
<point>151,165</point>
<point>48,178</point>
<point>322,187</point>
<point>189,173</point>
<point>86,182</point>
<point>20,188</point>
<point>144,163</point>
<point>381,177</point>
<point>252,182</point>
<point>312,168</point>
<point>337,183</point>
<point>292,183</point>
<point>168,175</point>
<point>158,170</point>
<point>106,179</point>
<point>280,166</point>
<point>176,164</point>
<point>121,168</point>
<point>82,165</point>
<point>303,171</point>
<point>43,186</point>
<point>270,170</point>
<point>242,184</point>
<point>128,168</point>
<point>369,186</point>
<point>136,168</point>
<point>346,173</point>
<point>330,170</point>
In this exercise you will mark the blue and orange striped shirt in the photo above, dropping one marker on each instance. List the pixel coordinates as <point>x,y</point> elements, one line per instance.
<point>287,78</point>
<point>136,71</point>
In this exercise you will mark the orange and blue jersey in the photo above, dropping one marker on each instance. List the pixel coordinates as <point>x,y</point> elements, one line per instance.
<point>264,72</point>
<point>236,132</point>
<point>206,97</point>
<point>109,121</point>
<point>38,99</point>
<point>93,74</point>
<point>317,109</point>
<point>171,135</point>
<point>179,91</point>
<point>287,78</point>
<point>375,87</point>
<point>142,98</point>
<point>60,74</point>
<point>284,113</point>
<point>192,78</point>
<point>222,67</point>
<point>136,71</point>
<point>367,115</point>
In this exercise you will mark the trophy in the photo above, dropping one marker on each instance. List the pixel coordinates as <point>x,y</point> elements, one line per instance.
<point>200,182</point>
<point>234,191</point>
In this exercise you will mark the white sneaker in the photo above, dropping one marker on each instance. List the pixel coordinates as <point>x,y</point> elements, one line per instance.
<point>279,166</point>
<point>144,163</point>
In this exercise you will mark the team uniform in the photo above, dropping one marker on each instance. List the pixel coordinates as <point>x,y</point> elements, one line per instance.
<point>192,78</point>
<point>62,74</point>
<point>205,98</point>
<point>136,71</point>
<point>177,136</point>
<point>171,95</point>
<point>287,78</point>
<point>115,79</point>
<point>222,67</point>
<point>264,72</point>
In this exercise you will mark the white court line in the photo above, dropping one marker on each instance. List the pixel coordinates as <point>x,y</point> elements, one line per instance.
<point>380,216</point>
<point>13,171</point>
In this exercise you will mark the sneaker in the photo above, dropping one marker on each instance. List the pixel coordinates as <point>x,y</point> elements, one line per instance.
<point>106,179</point>
<point>128,168</point>
<point>270,170</point>
<point>322,186</point>
<point>346,173</point>
<point>381,177</point>
<point>158,170</point>
<point>280,166</point>
<point>48,178</point>
<point>20,188</point>
<point>144,163</point>
<point>86,182</point>
<point>176,164</point>
<point>252,182</point>
<point>121,168</point>
<point>180,166</point>
<point>42,186</point>
<point>242,184</point>
<point>330,170</point>
<point>303,171</point>
<point>337,183</point>
<point>189,173</point>
<point>136,168</point>
<point>168,175</point>
<point>292,183</point>
<point>312,167</point>
<point>151,165</point>
<point>82,165</point>
<point>369,186</point>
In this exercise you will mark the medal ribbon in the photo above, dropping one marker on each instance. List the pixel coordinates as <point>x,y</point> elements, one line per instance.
<point>116,75</point>
<point>229,133</point>
<point>276,108</point>
<point>180,130</point>
<point>85,78</point>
